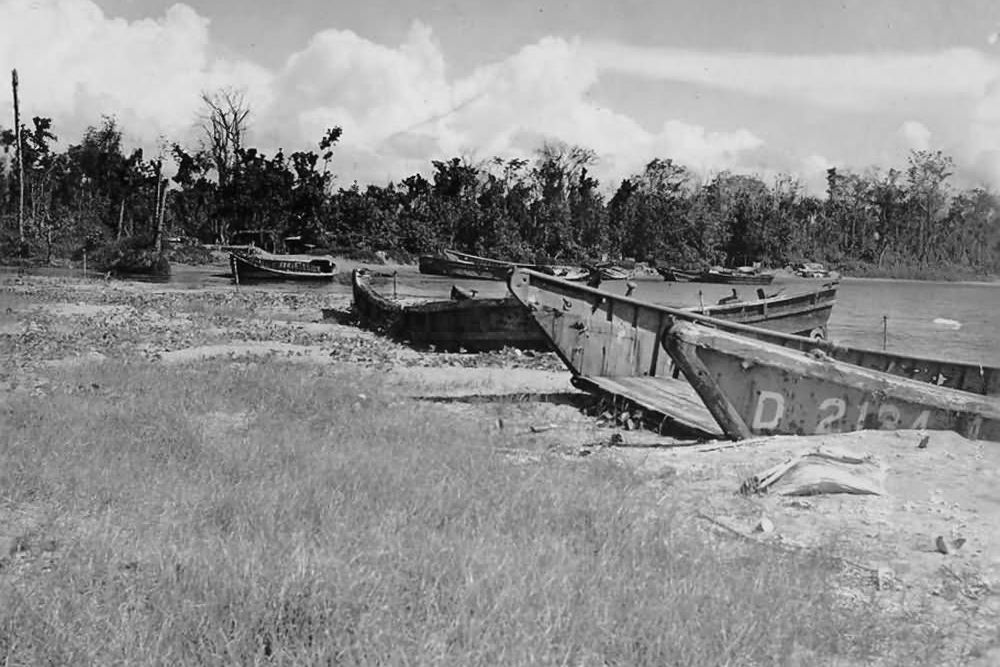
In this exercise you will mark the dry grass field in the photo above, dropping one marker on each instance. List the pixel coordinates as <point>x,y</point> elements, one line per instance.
<point>301,507</point>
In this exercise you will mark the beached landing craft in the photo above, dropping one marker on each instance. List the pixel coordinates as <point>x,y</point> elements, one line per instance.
<point>603,334</point>
<point>260,265</point>
<point>612,345</point>
<point>753,387</point>
<point>461,323</point>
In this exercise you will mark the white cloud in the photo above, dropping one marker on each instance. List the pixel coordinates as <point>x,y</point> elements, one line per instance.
<point>915,135</point>
<point>399,107</point>
<point>75,64</point>
<point>396,104</point>
<point>856,82</point>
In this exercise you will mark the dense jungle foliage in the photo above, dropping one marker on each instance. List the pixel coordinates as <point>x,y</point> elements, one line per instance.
<point>97,195</point>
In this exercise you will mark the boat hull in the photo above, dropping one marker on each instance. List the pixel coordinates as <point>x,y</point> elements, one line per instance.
<point>261,267</point>
<point>463,265</point>
<point>454,268</point>
<point>678,275</point>
<point>597,333</point>
<point>472,324</point>
<point>733,278</point>
<point>754,387</point>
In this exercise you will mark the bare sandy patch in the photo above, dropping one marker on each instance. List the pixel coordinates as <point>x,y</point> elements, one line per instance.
<point>285,351</point>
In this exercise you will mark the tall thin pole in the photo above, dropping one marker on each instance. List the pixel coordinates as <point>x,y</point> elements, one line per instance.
<point>20,163</point>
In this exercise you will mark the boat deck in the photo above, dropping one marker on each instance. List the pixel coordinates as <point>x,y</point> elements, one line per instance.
<point>669,398</point>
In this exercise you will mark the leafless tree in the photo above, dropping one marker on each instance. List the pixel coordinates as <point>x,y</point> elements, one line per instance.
<point>225,126</point>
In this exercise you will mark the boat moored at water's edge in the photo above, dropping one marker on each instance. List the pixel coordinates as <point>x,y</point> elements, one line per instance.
<point>600,333</point>
<point>257,264</point>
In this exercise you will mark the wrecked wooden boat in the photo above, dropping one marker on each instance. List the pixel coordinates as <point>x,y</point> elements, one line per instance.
<point>461,323</point>
<point>255,264</point>
<point>755,387</point>
<point>611,343</point>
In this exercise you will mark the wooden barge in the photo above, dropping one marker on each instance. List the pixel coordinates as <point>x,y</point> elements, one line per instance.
<point>471,324</point>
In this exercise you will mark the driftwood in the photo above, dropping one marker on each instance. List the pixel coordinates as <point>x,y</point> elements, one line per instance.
<point>822,471</point>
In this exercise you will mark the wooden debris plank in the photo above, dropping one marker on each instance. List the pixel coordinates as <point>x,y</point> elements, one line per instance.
<point>665,396</point>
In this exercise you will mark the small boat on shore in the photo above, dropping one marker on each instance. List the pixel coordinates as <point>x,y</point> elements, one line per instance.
<point>463,322</point>
<point>454,268</point>
<point>744,275</point>
<point>673,274</point>
<point>457,264</point>
<point>255,264</point>
<point>755,387</point>
<point>812,270</point>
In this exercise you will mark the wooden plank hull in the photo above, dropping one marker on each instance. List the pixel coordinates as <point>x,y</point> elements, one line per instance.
<point>471,324</point>
<point>597,333</point>
<point>754,387</point>
<point>266,266</point>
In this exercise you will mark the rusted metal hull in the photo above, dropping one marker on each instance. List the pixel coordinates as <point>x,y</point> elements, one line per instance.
<point>753,387</point>
<point>598,333</point>
<point>470,324</point>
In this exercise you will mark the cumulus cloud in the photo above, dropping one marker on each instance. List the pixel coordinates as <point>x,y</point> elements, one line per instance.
<point>396,103</point>
<point>75,64</point>
<point>400,108</point>
<point>915,135</point>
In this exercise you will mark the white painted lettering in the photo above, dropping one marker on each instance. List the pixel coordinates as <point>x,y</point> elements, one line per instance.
<point>888,416</point>
<point>862,415</point>
<point>766,398</point>
<point>826,424</point>
<point>922,419</point>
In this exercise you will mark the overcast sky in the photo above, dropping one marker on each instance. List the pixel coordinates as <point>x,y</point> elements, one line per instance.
<point>762,86</point>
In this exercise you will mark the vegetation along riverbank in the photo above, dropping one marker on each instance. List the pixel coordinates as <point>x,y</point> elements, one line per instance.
<point>132,211</point>
<point>223,476</point>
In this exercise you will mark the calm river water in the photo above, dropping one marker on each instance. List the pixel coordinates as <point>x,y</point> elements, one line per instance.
<point>959,321</point>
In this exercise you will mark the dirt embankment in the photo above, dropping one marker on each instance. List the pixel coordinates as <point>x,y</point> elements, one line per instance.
<point>941,493</point>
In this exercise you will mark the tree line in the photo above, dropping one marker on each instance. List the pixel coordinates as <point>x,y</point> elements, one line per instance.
<point>547,209</point>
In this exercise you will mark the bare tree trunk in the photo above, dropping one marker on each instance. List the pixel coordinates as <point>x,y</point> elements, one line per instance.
<point>20,164</point>
<point>121,219</point>
<point>161,204</point>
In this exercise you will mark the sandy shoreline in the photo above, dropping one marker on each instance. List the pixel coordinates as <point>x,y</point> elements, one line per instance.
<point>947,489</point>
